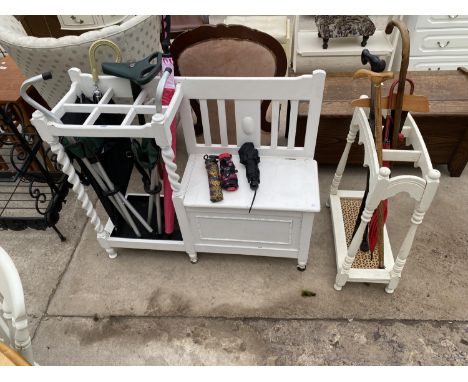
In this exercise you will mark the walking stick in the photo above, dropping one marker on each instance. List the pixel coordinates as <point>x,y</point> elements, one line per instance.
<point>405,53</point>
<point>377,65</point>
<point>376,80</point>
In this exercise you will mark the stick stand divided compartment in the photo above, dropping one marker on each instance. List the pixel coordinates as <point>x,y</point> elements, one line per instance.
<point>352,264</point>
<point>158,129</point>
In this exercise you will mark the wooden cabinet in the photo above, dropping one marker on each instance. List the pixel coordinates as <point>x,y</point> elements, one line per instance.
<point>438,42</point>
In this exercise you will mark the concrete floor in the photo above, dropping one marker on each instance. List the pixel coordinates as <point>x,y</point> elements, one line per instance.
<point>156,308</point>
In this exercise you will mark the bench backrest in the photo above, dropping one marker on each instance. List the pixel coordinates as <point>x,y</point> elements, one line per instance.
<point>247,95</point>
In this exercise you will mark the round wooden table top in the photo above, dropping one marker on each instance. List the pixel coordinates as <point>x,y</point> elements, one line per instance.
<point>9,357</point>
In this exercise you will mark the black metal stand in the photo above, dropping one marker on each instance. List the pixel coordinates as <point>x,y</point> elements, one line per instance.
<point>32,188</point>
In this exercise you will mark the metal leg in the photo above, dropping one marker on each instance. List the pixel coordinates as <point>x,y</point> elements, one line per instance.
<point>135,212</point>
<point>112,198</point>
<point>123,200</point>
<point>104,182</point>
<point>62,238</point>
<point>155,199</point>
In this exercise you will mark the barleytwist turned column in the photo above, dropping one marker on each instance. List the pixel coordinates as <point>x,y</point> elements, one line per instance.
<point>168,157</point>
<point>73,178</point>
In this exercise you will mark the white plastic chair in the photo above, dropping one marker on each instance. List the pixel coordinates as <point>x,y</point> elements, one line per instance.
<point>13,320</point>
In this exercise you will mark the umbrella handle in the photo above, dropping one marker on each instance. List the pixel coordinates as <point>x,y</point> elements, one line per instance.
<point>92,55</point>
<point>160,89</point>
<point>405,54</point>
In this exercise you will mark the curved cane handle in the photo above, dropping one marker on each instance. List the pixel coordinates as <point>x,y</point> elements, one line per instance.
<point>92,55</point>
<point>376,78</point>
<point>405,54</point>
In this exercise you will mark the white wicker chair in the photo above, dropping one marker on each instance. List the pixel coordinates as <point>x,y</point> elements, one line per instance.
<point>13,320</point>
<point>137,38</point>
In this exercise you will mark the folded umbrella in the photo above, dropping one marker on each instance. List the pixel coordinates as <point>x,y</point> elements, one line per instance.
<point>248,156</point>
<point>169,89</point>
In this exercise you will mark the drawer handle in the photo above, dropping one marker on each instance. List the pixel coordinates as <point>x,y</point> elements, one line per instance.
<point>80,21</point>
<point>452,17</point>
<point>444,45</point>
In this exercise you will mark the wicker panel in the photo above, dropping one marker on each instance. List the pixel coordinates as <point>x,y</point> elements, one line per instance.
<point>350,208</point>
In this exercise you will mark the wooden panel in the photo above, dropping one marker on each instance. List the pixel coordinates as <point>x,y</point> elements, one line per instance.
<point>438,87</point>
<point>243,229</point>
<point>292,123</point>
<point>275,109</point>
<point>444,128</point>
<point>412,103</point>
<point>205,122</point>
<point>298,88</point>
<point>10,80</point>
<point>460,156</point>
<point>222,122</point>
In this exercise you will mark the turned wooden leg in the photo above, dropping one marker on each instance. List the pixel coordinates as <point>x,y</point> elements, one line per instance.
<point>364,40</point>
<point>193,257</point>
<point>325,43</point>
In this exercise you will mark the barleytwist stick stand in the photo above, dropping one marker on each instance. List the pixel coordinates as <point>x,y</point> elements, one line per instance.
<point>421,189</point>
<point>50,128</point>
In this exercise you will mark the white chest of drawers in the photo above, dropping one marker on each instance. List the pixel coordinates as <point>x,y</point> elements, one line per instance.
<point>438,42</point>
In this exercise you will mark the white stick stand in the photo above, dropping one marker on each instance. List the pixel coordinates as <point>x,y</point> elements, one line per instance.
<point>280,223</point>
<point>158,128</point>
<point>381,186</point>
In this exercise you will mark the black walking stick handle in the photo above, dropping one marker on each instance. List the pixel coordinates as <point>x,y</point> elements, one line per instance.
<point>377,65</point>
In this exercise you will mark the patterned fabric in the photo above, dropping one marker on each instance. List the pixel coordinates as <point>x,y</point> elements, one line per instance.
<point>137,38</point>
<point>214,180</point>
<point>344,26</point>
<point>227,169</point>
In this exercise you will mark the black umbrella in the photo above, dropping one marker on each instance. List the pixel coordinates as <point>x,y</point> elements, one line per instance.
<point>248,156</point>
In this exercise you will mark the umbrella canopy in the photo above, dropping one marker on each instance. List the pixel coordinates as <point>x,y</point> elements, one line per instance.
<point>169,89</point>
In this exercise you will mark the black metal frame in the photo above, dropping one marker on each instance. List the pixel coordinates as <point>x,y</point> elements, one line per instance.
<point>32,187</point>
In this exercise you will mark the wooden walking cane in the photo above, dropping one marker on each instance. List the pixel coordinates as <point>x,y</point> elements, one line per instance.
<point>377,79</point>
<point>377,66</point>
<point>405,53</point>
